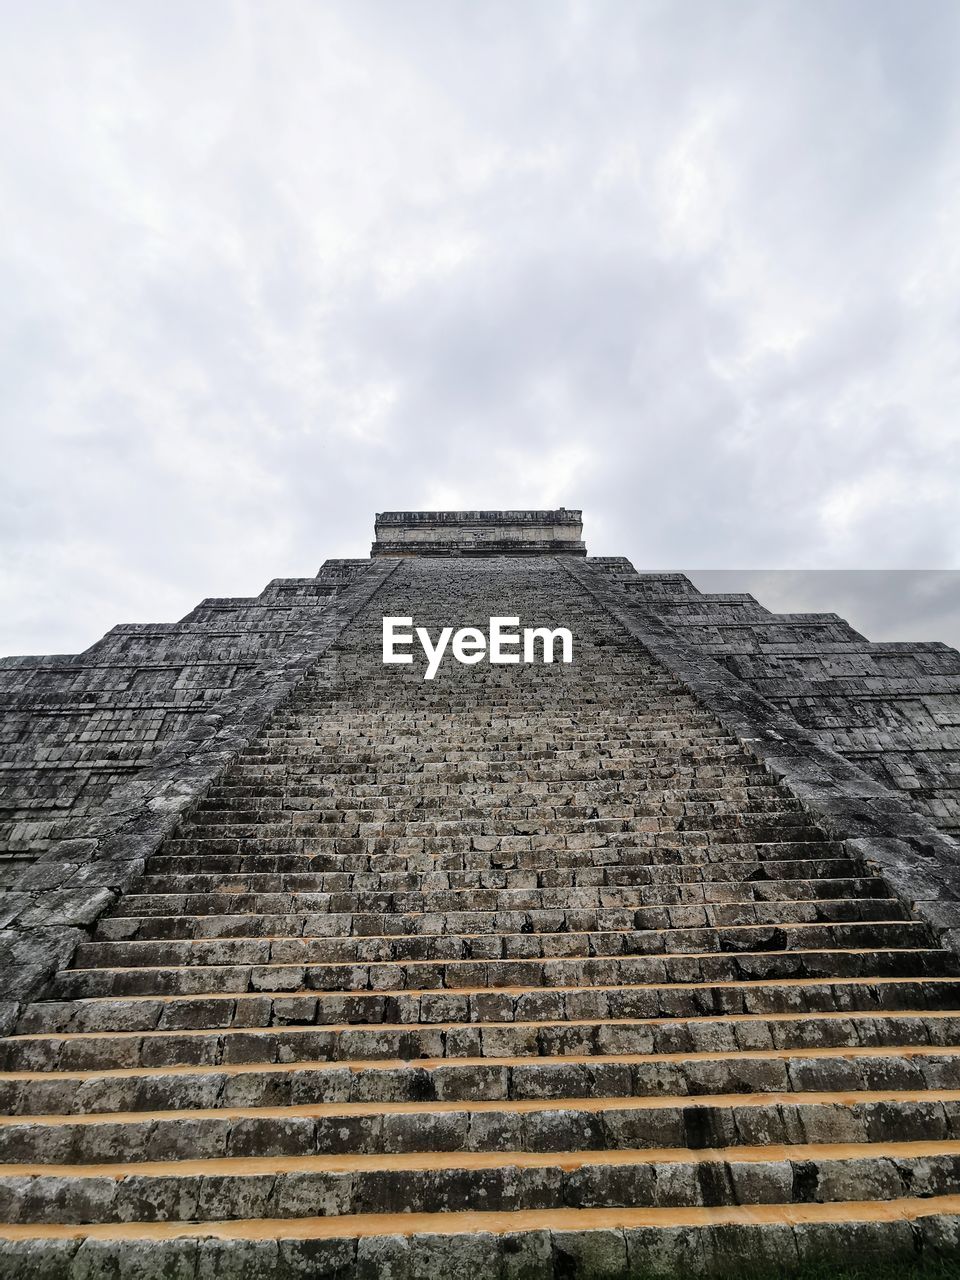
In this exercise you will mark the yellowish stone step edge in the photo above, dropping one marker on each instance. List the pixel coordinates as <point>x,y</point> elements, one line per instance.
<point>448,1160</point>
<point>522,1106</point>
<point>432,1064</point>
<point>906,1209</point>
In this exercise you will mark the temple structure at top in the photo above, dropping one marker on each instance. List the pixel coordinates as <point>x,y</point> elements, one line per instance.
<point>478,533</point>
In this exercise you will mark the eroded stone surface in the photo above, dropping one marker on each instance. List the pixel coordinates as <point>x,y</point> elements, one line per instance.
<point>555,940</point>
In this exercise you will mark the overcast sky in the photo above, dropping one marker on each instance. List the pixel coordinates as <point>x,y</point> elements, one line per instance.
<point>268,268</point>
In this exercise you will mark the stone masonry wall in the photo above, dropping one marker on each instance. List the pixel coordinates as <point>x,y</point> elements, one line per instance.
<point>892,709</point>
<point>103,751</point>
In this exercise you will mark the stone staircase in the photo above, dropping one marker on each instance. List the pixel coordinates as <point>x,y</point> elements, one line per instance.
<point>528,969</point>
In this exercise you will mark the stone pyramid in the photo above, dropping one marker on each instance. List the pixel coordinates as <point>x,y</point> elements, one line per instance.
<point>642,964</point>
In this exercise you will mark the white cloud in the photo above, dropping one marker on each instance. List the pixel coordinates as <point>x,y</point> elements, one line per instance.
<point>263,272</point>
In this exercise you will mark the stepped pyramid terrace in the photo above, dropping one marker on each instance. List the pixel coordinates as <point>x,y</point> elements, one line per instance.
<point>645,963</point>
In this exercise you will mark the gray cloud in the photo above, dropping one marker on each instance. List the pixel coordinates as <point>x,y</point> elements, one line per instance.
<point>692,267</point>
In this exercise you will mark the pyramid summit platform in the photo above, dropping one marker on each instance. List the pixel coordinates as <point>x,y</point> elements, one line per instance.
<point>478,533</point>
<point>643,964</point>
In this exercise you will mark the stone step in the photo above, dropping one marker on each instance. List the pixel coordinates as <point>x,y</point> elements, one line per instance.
<point>134,966</point>
<point>642,865</point>
<point>400,727</point>
<point>419,898</point>
<point>280,962</point>
<point>357,1042</point>
<point>324,927</point>
<point>263,1038</point>
<point>630,775</point>
<point>669,750</point>
<point>539,797</point>
<point>156,1073</point>
<point>667,732</point>
<point>291,1186</point>
<point>302,726</point>
<point>323,1003</point>
<point>492,806</point>
<point>724,828</point>
<point>311,913</point>
<point>708,844</point>
<point>302,720</point>
<point>574,1243</point>
<point>533,1125</point>
<point>583,818</point>
<point>314,936</point>
<point>376,877</point>
<point>293,794</point>
<point>315,774</point>
<point>722,762</point>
